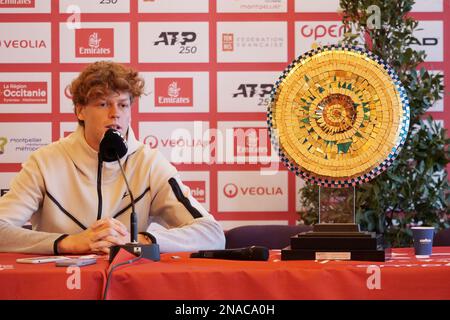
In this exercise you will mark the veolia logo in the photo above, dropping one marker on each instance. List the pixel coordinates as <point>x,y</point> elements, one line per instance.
<point>23,44</point>
<point>152,141</point>
<point>230,190</point>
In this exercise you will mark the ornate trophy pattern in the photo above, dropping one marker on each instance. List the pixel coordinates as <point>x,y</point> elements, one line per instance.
<point>339,116</point>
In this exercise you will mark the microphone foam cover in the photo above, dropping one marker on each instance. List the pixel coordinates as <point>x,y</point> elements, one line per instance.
<point>112,145</point>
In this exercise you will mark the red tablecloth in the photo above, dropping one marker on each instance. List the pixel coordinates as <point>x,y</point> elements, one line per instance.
<point>177,276</point>
<point>46,281</point>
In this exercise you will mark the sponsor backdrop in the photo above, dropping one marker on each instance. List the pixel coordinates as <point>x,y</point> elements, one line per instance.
<point>209,67</point>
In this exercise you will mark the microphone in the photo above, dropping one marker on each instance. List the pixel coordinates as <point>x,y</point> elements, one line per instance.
<point>113,147</point>
<point>255,253</point>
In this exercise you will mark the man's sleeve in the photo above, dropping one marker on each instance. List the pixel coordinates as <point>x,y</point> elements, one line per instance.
<point>17,207</point>
<point>180,222</point>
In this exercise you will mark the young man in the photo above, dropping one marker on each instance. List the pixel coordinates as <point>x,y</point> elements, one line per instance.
<point>80,204</point>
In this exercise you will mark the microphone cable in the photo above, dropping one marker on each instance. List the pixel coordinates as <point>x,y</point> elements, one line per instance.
<point>133,218</point>
<point>114,267</point>
<point>126,182</point>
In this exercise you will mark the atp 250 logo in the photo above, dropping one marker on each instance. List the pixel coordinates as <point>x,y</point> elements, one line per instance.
<point>185,40</point>
<point>254,90</point>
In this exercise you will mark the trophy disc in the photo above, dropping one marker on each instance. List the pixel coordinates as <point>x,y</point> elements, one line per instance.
<point>338,116</point>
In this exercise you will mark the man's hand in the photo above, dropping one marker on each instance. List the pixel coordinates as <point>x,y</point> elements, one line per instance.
<point>97,238</point>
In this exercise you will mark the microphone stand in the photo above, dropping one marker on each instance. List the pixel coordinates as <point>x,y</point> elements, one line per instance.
<point>147,251</point>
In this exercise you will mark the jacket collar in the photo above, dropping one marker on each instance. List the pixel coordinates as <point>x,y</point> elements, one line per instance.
<point>86,159</point>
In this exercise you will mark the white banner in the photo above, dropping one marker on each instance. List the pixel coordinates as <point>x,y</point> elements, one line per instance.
<point>310,34</point>
<point>95,41</point>
<point>27,6</point>
<point>245,142</point>
<point>173,6</point>
<point>252,41</point>
<point>98,6</point>
<point>173,42</point>
<point>250,191</point>
<point>245,91</point>
<point>256,6</point>
<point>181,142</point>
<point>428,6</point>
<point>317,6</point>
<point>65,99</point>
<point>19,45</point>
<point>430,38</point>
<point>18,140</point>
<point>175,92</point>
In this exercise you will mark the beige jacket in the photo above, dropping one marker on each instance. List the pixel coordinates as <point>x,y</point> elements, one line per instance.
<point>62,191</point>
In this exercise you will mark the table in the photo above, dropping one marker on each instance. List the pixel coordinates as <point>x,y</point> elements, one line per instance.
<point>46,281</point>
<point>177,276</point>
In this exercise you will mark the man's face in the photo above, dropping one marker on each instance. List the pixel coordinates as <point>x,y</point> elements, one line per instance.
<point>111,111</point>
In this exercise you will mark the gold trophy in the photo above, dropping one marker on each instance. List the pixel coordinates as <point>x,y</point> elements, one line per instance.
<point>338,117</point>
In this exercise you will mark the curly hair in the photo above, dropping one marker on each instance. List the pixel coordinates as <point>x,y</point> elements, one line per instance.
<point>103,77</point>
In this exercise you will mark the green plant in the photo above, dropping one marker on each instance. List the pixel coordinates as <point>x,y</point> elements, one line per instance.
<point>415,189</point>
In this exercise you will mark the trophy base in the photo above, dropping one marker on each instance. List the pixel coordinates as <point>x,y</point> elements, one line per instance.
<point>311,254</point>
<point>336,241</point>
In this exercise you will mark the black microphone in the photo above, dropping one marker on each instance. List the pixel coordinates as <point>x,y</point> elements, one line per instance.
<point>255,253</point>
<point>113,147</point>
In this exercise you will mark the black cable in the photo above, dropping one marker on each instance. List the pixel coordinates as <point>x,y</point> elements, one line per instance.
<point>126,182</point>
<point>108,279</point>
<point>99,187</point>
<point>133,218</point>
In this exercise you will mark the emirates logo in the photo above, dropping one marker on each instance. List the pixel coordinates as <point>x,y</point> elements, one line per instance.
<point>94,40</point>
<point>173,90</point>
<point>94,43</point>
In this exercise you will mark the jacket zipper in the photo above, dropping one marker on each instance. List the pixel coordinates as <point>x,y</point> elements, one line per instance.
<point>99,187</point>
